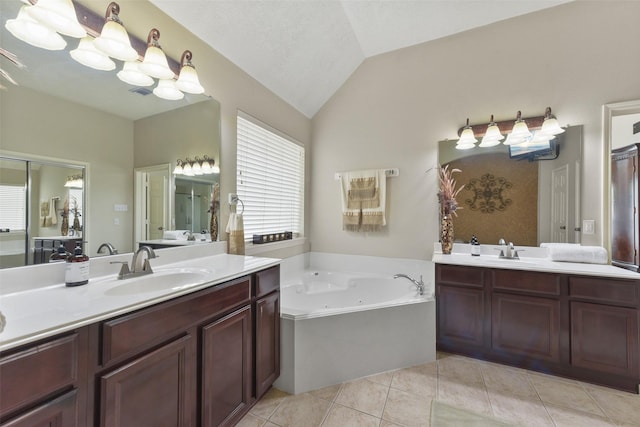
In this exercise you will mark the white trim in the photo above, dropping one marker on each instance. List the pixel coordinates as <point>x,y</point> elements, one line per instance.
<point>251,249</point>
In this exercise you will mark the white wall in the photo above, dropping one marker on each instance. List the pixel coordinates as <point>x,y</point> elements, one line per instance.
<point>396,106</point>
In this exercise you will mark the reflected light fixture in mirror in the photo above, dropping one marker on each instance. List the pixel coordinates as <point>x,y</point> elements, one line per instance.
<point>114,39</point>
<point>88,55</point>
<point>27,29</point>
<point>74,181</point>
<point>188,79</point>
<point>132,75</point>
<point>167,89</point>
<point>59,15</point>
<point>205,166</point>
<point>155,62</point>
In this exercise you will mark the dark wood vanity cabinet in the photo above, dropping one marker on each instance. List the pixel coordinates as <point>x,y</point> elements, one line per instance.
<point>625,208</point>
<point>576,326</point>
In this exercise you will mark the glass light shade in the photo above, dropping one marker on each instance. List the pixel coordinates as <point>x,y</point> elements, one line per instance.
<point>467,137</point>
<point>215,169</point>
<point>178,169</point>
<point>207,168</point>
<point>520,130</point>
<point>551,126</point>
<point>540,136</point>
<point>155,64</point>
<point>59,15</point>
<point>514,140</point>
<point>196,168</point>
<point>27,29</point>
<point>493,132</point>
<point>186,169</point>
<point>466,146</point>
<point>87,54</point>
<point>114,41</point>
<point>132,75</point>
<point>188,80</point>
<point>166,89</point>
<point>489,142</point>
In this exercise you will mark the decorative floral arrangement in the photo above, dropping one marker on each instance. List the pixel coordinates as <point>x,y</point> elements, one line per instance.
<point>448,192</point>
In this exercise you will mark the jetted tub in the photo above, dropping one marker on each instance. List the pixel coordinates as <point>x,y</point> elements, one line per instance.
<point>338,325</point>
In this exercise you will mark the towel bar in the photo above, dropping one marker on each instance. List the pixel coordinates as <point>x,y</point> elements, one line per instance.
<point>388,172</point>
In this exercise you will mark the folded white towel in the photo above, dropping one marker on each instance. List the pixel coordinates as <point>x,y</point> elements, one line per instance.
<point>567,252</point>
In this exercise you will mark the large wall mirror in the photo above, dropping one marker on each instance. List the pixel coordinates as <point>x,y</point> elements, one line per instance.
<point>65,115</point>
<point>522,201</point>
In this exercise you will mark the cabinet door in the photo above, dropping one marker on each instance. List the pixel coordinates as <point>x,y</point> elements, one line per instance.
<point>60,412</point>
<point>226,368</point>
<point>267,342</point>
<point>604,338</point>
<point>524,325</point>
<point>460,316</point>
<point>152,390</point>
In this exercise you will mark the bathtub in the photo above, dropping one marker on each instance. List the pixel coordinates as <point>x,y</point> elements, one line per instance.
<point>344,317</point>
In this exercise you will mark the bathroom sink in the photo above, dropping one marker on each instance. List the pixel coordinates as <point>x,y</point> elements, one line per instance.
<point>161,280</point>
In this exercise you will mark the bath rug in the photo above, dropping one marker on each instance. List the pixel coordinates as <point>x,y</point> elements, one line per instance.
<point>444,415</point>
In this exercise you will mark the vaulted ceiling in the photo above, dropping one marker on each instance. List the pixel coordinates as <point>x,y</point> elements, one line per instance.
<point>304,50</point>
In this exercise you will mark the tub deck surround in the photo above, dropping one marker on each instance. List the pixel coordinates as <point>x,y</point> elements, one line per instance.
<point>345,317</point>
<point>531,259</point>
<point>37,304</point>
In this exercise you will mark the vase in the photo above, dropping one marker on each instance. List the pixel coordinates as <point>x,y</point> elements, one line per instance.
<point>214,226</point>
<point>446,234</point>
<point>76,225</point>
<point>64,227</point>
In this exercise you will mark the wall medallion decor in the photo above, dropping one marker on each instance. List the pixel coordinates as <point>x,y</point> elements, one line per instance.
<point>488,193</point>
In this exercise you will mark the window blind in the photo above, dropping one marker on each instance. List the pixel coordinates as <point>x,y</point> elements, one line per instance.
<point>12,207</point>
<point>270,179</point>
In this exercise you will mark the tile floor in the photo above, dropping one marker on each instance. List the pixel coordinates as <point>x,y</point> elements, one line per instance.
<point>403,398</point>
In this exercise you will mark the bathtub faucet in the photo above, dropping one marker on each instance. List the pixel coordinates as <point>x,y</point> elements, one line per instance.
<point>419,284</point>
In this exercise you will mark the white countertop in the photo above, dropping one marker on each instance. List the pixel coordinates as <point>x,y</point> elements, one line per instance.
<point>173,242</point>
<point>535,264</point>
<point>44,311</point>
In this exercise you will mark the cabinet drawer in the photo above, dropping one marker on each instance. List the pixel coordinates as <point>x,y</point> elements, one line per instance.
<point>37,372</point>
<point>458,275</point>
<point>267,281</point>
<point>133,333</point>
<point>600,289</point>
<point>526,281</point>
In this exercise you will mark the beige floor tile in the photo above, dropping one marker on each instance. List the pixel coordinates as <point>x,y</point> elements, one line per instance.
<point>568,394</point>
<point>565,417</point>
<point>327,393</point>
<point>383,378</point>
<point>459,368</point>
<point>407,409</point>
<point>251,421</point>
<point>268,403</point>
<point>302,410</point>
<point>385,423</point>
<point>270,424</point>
<point>421,379</point>
<point>469,395</point>
<point>363,395</point>
<point>341,416</point>
<point>509,382</point>
<point>517,410</point>
<point>619,406</point>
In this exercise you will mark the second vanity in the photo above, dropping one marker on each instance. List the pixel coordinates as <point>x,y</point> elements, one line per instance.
<point>575,320</point>
<point>138,352</point>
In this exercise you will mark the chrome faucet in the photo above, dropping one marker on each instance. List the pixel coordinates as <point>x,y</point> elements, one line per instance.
<point>112,250</point>
<point>509,252</point>
<point>419,284</point>
<point>138,266</point>
<point>190,236</point>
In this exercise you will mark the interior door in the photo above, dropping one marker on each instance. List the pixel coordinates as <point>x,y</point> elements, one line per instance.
<point>157,190</point>
<point>559,204</point>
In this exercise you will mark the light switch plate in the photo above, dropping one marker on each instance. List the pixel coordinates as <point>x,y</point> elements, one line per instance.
<point>588,226</point>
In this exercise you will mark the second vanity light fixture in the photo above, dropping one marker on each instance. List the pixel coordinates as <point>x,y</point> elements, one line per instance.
<point>547,127</point>
<point>41,22</point>
<point>205,166</point>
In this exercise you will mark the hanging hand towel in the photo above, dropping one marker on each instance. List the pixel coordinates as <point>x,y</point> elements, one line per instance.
<point>373,217</point>
<point>53,216</point>
<point>235,228</point>
<point>363,198</point>
<point>44,211</point>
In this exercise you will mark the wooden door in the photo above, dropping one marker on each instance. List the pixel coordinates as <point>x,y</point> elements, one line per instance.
<point>152,390</point>
<point>267,342</point>
<point>560,204</point>
<point>226,368</point>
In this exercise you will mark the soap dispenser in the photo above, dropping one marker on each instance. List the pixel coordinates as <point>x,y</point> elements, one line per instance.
<point>77,269</point>
<point>60,255</point>
<point>475,246</point>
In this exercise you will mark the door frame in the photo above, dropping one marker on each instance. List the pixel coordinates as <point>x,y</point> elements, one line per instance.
<point>140,208</point>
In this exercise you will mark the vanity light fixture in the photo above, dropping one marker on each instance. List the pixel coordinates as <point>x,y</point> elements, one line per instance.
<point>87,54</point>
<point>74,181</point>
<point>114,39</point>
<point>132,75</point>
<point>493,136</point>
<point>550,125</point>
<point>188,79</point>
<point>155,62</point>
<point>205,166</point>
<point>167,89</point>
<point>467,139</point>
<point>59,15</point>
<point>520,132</point>
<point>27,29</point>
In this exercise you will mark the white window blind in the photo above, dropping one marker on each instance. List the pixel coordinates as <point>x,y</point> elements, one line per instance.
<point>270,180</point>
<point>12,207</point>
